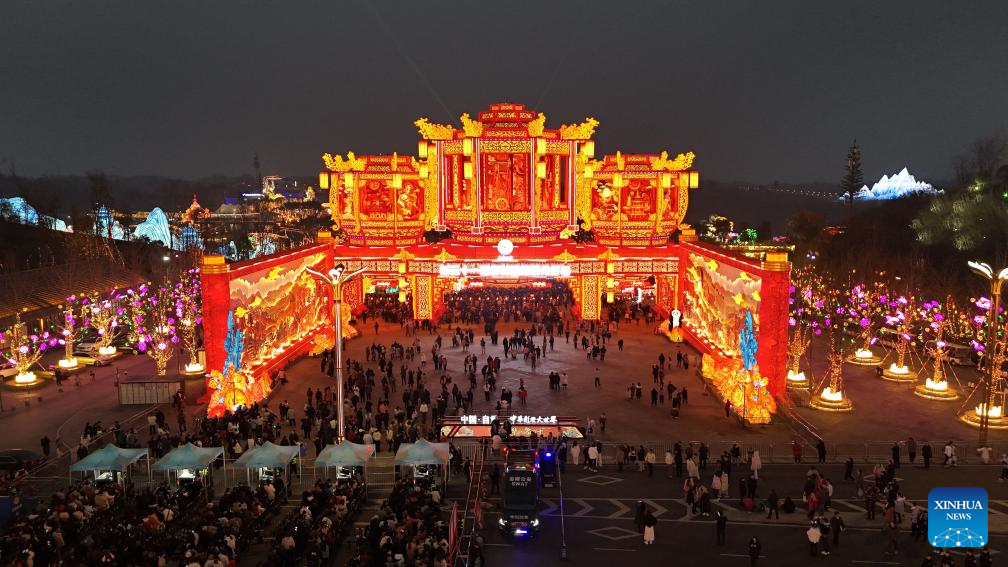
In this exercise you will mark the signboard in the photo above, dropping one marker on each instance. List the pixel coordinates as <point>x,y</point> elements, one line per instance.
<point>514,419</point>
<point>506,270</point>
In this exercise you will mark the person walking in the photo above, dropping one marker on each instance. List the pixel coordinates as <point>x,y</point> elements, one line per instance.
<point>649,525</point>
<point>911,450</point>
<point>796,451</point>
<point>754,550</point>
<point>813,535</point>
<point>602,422</point>
<point>46,447</point>
<point>772,505</point>
<point>926,453</point>
<point>640,516</point>
<point>598,379</point>
<point>837,527</point>
<point>821,450</point>
<point>722,527</point>
<point>495,476</point>
<point>1004,467</point>
<point>896,455</point>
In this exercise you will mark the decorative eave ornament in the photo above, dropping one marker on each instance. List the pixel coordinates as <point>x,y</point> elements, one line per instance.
<point>565,256</point>
<point>582,131</point>
<point>682,162</point>
<point>445,256</point>
<point>473,128</point>
<point>337,163</point>
<point>431,131</point>
<point>535,128</point>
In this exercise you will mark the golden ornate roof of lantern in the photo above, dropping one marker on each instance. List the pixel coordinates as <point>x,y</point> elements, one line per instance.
<point>504,173</point>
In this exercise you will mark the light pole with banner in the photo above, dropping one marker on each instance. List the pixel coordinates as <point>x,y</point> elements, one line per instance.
<point>336,277</point>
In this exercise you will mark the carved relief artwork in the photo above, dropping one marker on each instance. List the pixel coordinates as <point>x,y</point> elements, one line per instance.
<point>376,200</point>
<point>604,205</point>
<point>409,201</point>
<point>505,182</point>
<point>639,199</point>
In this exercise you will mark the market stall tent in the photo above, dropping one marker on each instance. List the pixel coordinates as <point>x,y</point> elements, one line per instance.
<point>345,454</point>
<point>268,456</point>
<point>422,452</point>
<point>188,457</point>
<point>110,458</point>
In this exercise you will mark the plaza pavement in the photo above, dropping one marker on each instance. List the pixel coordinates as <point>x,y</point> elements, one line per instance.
<point>595,517</point>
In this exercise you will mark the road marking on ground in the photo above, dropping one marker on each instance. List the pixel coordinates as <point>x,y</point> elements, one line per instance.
<point>613,549</point>
<point>658,509</point>
<point>623,508</point>
<point>613,533</point>
<point>585,507</point>
<point>551,507</point>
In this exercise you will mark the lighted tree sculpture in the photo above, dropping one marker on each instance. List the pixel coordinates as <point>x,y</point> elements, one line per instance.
<point>75,314</point>
<point>994,404</point>
<point>800,322</point>
<point>103,317</point>
<point>25,350</point>
<point>831,393</point>
<point>188,318</point>
<point>902,316</point>
<point>864,311</point>
<point>936,386</point>
<point>234,387</point>
<point>135,301</point>
<point>158,331</point>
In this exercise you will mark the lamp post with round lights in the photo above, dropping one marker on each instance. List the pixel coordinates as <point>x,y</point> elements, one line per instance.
<point>984,270</point>
<point>336,278</point>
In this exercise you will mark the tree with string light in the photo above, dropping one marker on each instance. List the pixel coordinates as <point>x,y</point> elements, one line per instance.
<point>902,316</point>
<point>188,318</point>
<point>75,314</point>
<point>158,336</point>
<point>25,350</point>
<point>103,317</point>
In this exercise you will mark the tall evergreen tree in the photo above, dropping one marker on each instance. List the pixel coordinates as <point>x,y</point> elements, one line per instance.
<point>854,178</point>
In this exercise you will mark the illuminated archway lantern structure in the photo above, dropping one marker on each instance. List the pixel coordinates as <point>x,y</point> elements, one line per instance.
<point>505,199</point>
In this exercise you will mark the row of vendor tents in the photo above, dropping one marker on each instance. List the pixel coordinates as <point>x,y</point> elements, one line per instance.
<point>267,455</point>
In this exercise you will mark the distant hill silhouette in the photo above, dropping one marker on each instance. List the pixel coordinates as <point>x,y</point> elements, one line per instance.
<point>741,201</point>
<point>128,193</point>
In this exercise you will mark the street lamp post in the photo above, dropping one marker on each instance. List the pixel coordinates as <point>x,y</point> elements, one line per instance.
<point>336,277</point>
<point>984,270</point>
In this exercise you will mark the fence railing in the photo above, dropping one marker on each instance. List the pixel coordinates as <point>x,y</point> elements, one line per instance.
<point>779,453</point>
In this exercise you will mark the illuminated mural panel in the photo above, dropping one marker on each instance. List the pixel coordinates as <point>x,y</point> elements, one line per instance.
<point>277,306</point>
<point>716,302</point>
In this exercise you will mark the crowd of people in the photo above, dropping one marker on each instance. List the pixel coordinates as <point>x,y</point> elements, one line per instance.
<point>408,529</point>
<point>113,524</point>
<point>488,305</point>
<point>312,533</point>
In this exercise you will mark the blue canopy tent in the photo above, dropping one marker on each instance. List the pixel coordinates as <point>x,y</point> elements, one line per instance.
<point>110,459</point>
<point>345,454</point>
<point>422,452</point>
<point>188,458</point>
<point>269,456</point>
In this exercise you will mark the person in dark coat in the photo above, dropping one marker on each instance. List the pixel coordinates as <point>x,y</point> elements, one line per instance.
<point>640,515</point>
<point>772,508</point>
<point>722,526</point>
<point>754,550</point>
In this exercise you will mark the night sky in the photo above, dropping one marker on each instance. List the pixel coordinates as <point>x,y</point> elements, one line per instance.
<point>762,91</point>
